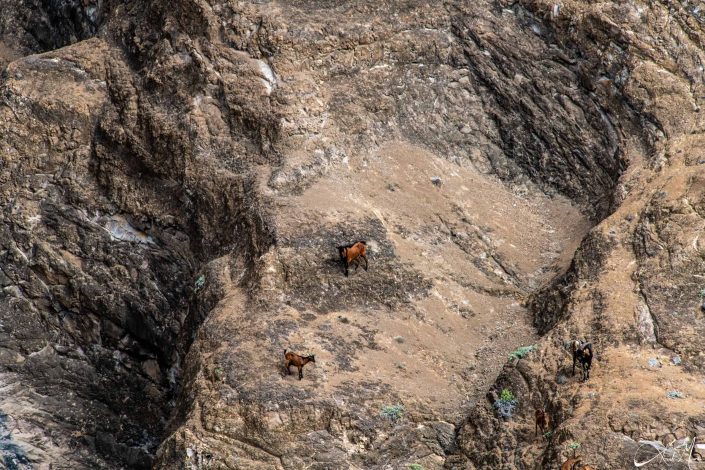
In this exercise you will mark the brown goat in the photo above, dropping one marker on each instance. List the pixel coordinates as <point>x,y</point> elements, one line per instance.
<point>543,421</point>
<point>293,359</point>
<point>574,464</point>
<point>354,252</point>
<point>570,464</point>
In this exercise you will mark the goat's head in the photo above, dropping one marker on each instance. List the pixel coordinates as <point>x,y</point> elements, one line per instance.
<point>576,345</point>
<point>311,358</point>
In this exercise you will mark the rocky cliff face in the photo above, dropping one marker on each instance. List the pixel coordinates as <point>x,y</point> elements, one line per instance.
<point>176,180</point>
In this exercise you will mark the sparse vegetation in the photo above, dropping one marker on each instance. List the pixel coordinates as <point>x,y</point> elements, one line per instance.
<point>506,404</point>
<point>507,395</point>
<point>200,282</point>
<point>522,352</point>
<point>415,466</point>
<point>574,446</point>
<point>547,435</point>
<point>392,412</point>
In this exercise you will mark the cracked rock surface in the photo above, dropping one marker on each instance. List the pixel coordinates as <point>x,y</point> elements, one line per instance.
<point>176,177</point>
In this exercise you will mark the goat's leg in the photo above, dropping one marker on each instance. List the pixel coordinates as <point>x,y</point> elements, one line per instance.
<point>574,358</point>
<point>288,371</point>
<point>366,264</point>
<point>301,372</point>
<point>357,263</point>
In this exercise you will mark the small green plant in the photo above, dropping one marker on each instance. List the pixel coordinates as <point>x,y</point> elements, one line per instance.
<point>574,446</point>
<point>701,294</point>
<point>522,352</point>
<point>506,395</point>
<point>200,282</point>
<point>392,412</point>
<point>547,435</point>
<point>415,466</point>
<point>506,403</point>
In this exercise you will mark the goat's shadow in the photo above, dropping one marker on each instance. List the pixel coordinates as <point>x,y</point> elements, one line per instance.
<point>334,265</point>
<point>564,375</point>
<point>316,274</point>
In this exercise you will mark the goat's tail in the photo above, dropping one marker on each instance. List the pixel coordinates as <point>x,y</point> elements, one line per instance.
<point>285,351</point>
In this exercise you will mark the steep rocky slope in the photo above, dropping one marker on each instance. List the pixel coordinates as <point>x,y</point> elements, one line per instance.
<point>634,288</point>
<point>176,180</point>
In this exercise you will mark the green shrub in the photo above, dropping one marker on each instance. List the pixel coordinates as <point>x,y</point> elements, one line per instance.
<point>200,282</point>
<point>415,466</point>
<point>522,352</point>
<point>506,395</point>
<point>506,404</point>
<point>574,446</point>
<point>392,412</point>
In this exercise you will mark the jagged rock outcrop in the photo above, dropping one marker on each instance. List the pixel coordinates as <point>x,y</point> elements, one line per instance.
<point>176,180</point>
<point>634,288</point>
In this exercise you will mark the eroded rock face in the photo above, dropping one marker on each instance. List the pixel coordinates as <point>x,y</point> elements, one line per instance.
<point>175,184</point>
<point>30,26</point>
<point>103,244</point>
<point>633,289</point>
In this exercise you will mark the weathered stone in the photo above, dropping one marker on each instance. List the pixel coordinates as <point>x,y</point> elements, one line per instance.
<point>177,181</point>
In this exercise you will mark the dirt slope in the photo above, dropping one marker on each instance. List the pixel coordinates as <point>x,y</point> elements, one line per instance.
<point>176,179</point>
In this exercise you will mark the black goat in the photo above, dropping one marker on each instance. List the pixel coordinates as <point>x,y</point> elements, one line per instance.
<point>582,353</point>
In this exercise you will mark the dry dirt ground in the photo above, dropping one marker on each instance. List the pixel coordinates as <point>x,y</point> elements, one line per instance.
<point>482,246</point>
<point>428,326</point>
